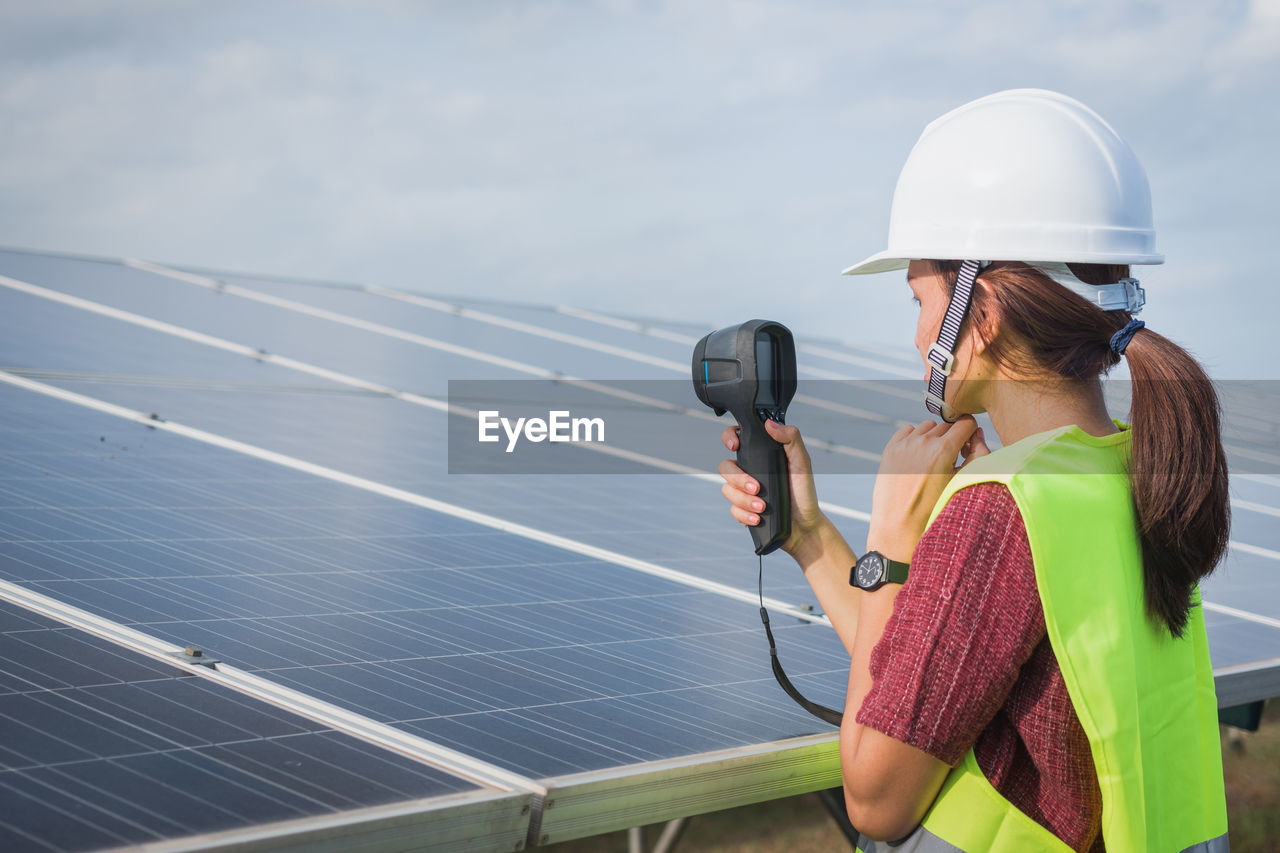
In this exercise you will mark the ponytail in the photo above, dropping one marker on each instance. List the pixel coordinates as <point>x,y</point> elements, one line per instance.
<point>1177,467</point>
<point>1178,472</point>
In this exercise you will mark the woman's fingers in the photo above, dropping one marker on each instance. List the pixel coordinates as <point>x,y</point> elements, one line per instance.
<point>742,500</point>
<point>744,506</point>
<point>958,434</point>
<point>792,445</point>
<point>930,446</point>
<point>730,437</point>
<point>736,477</point>
<point>976,446</point>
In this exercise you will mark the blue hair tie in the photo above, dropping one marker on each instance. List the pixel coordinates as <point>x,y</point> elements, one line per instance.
<point>1120,340</point>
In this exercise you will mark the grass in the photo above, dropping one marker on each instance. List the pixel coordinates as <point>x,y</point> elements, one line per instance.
<point>1251,766</point>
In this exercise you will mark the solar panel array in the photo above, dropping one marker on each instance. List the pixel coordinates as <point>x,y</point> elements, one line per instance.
<point>388,654</point>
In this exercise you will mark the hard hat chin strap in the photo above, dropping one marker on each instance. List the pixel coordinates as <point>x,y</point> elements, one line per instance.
<point>1125,294</point>
<point>941,355</point>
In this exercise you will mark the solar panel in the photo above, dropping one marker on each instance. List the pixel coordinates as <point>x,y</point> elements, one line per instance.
<point>258,467</point>
<point>462,636</point>
<point>105,747</point>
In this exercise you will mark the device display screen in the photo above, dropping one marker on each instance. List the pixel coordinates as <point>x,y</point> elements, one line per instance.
<point>767,371</point>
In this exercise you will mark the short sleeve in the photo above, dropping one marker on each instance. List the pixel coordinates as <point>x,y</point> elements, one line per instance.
<point>964,623</point>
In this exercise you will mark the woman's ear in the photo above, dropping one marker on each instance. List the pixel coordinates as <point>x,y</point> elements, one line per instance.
<point>980,336</point>
<point>982,329</point>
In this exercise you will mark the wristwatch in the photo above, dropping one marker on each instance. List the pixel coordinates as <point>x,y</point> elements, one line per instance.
<point>873,570</point>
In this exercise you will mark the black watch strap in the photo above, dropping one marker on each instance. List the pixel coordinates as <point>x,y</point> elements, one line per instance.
<point>895,572</point>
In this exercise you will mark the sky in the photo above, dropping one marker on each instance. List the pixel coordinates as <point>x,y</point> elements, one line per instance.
<point>705,161</point>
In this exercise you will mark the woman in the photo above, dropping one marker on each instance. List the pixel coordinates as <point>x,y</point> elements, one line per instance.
<point>1041,680</point>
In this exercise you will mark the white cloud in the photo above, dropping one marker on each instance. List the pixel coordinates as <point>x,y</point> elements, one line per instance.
<point>642,157</point>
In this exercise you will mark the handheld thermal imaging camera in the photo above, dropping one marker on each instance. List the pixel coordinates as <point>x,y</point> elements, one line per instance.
<point>749,370</point>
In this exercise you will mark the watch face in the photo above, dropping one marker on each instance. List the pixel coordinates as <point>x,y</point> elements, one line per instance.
<point>870,570</point>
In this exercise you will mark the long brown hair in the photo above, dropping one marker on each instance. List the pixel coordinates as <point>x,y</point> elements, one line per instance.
<point>1177,468</point>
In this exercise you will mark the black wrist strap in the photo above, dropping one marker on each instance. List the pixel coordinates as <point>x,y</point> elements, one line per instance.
<point>895,571</point>
<point>822,712</point>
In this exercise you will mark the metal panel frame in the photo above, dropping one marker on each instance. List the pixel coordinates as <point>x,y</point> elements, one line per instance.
<point>475,822</point>
<point>585,804</point>
<point>1247,682</point>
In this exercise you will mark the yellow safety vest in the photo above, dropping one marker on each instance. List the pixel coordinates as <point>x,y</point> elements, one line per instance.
<point>1145,700</point>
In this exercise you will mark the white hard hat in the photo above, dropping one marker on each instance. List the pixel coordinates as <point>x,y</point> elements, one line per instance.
<point>1021,175</point>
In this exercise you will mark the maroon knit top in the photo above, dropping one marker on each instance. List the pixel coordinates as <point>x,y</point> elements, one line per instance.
<point>965,662</point>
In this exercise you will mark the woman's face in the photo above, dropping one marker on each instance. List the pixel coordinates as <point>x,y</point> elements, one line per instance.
<point>930,294</point>
<point>929,290</point>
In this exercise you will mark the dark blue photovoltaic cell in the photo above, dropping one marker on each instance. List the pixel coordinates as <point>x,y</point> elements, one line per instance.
<point>104,747</point>
<point>410,617</point>
<point>1234,641</point>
